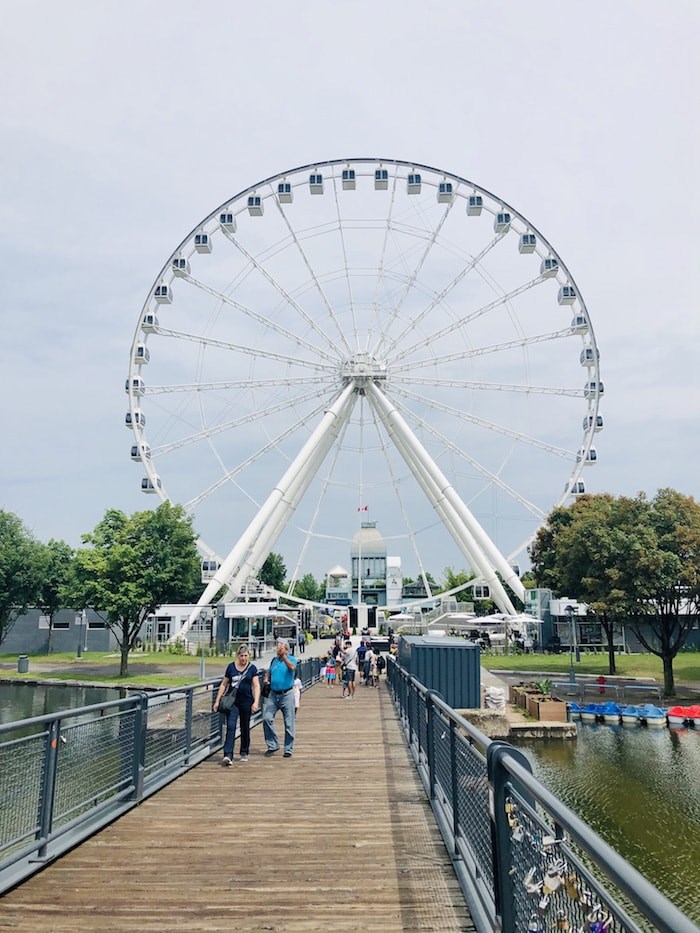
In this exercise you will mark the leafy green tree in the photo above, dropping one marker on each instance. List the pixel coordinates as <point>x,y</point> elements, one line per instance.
<point>134,565</point>
<point>307,588</point>
<point>629,559</point>
<point>273,571</point>
<point>669,591</point>
<point>452,578</point>
<point>56,567</point>
<point>20,571</point>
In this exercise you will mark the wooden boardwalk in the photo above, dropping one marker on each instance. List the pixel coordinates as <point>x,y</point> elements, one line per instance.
<point>339,837</point>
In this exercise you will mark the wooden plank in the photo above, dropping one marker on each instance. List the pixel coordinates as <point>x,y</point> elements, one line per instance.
<point>338,837</point>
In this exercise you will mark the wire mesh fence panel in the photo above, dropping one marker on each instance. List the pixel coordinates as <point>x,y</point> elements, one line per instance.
<point>554,883</point>
<point>165,733</point>
<point>21,783</point>
<point>473,818</point>
<point>94,763</point>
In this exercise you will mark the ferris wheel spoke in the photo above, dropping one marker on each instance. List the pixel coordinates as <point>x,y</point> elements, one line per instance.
<point>235,384</point>
<point>248,351</point>
<point>432,240</point>
<point>305,259</point>
<point>308,320</point>
<point>492,477</point>
<point>376,315</point>
<point>438,299</point>
<point>503,387</point>
<point>259,318</point>
<point>250,418</point>
<point>231,475</point>
<point>346,268</point>
<point>472,316</point>
<point>489,425</point>
<point>523,342</point>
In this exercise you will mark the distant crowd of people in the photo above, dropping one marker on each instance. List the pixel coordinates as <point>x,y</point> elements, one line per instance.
<point>347,666</point>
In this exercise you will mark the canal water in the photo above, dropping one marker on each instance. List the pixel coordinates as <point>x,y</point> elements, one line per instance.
<point>24,701</point>
<point>639,789</point>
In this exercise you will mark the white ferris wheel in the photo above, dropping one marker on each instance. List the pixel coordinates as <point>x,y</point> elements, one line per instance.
<point>364,338</point>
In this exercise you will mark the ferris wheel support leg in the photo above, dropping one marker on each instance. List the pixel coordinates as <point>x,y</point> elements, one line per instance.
<point>326,430</point>
<point>487,557</point>
<point>452,521</point>
<point>286,506</point>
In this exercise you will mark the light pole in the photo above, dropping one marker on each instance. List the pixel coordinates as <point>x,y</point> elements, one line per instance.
<point>570,610</point>
<point>203,614</point>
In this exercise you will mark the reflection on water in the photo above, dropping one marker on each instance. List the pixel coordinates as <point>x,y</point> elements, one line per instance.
<point>24,701</point>
<point>640,790</point>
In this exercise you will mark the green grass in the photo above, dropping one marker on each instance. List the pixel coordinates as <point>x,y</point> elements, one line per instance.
<point>133,677</point>
<point>686,666</point>
<point>164,658</point>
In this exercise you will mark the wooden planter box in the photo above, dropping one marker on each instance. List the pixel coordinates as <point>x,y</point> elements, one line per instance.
<point>517,694</point>
<point>547,710</point>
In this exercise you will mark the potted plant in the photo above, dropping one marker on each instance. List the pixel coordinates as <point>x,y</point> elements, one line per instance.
<point>543,706</point>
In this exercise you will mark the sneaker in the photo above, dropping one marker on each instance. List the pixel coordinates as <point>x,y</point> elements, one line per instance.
<point>227,762</point>
<point>271,751</point>
<point>243,758</point>
<point>287,755</point>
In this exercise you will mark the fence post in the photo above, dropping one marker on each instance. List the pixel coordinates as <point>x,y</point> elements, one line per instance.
<point>189,704</point>
<point>138,761</point>
<point>501,849</point>
<point>48,786</point>
<point>430,709</point>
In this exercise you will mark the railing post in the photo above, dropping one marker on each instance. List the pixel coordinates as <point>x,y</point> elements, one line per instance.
<point>430,709</point>
<point>48,786</point>
<point>138,760</point>
<point>454,784</point>
<point>501,848</point>
<point>189,704</point>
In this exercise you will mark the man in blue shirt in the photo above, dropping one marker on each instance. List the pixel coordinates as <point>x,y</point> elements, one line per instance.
<point>280,675</point>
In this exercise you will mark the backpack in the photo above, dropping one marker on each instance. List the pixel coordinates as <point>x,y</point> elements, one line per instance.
<point>381,663</point>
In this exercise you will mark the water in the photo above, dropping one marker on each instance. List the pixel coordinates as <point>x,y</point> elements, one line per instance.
<point>640,790</point>
<point>23,701</point>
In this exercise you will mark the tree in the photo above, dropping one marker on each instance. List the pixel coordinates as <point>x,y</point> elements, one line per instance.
<point>452,578</point>
<point>307,588</point>
<point>669,592</point>
<point>273,571</point>
<point>134,565</point>
<point>20,570</point>
<point>628,559</point>
<point>56,566</point>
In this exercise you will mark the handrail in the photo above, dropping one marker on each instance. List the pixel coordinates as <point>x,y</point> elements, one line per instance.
<point>50,800</point>
<point>505,832</point>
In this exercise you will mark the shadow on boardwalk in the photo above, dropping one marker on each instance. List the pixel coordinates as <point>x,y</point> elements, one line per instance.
<point>338,837</point>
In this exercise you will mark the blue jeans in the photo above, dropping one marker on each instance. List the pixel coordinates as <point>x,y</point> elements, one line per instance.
<point>232,721</point>
<point>285,702</point>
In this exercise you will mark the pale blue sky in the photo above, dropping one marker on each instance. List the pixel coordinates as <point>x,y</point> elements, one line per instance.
<point>124,123</point>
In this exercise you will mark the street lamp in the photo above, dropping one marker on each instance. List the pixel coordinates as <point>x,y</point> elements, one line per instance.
<point>573,643</point>
<point>203,615</point>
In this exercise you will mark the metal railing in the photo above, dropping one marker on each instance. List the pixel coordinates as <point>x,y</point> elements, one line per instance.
<point>65,775</point>
<point>525,862</point>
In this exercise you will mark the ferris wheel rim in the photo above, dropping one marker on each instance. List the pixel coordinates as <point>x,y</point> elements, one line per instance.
<point>135,369</point>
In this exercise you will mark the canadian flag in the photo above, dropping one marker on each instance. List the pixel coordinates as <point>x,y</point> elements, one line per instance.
<point>363,508</point>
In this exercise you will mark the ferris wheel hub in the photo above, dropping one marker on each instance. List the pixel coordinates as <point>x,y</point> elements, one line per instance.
<point>362,369</point>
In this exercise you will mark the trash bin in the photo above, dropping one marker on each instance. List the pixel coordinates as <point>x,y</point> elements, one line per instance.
<point>22,664</point>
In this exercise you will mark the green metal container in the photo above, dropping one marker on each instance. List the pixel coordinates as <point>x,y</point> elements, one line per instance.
<point>452,666</point>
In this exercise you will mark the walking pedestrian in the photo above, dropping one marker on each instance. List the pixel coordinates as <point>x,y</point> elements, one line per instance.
<point>301,641</point>
<point>280,675</point>
<point>241,676</point>
<point>330,671</point>
<point>349,669</point>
